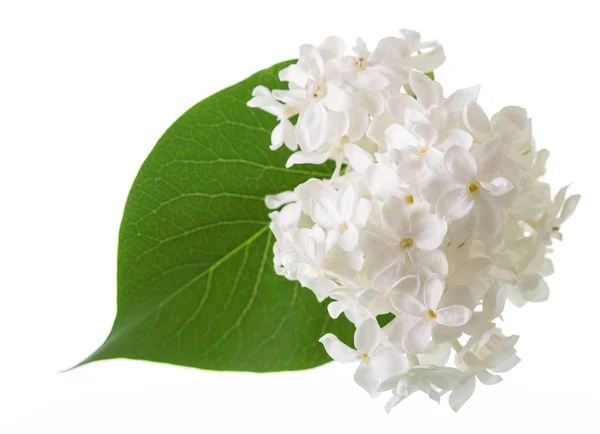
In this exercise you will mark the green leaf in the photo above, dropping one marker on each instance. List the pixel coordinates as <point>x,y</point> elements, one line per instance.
<point>196,284</point>
<point>385,319</point>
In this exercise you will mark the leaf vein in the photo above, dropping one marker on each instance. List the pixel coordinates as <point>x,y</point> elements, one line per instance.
<point>195,230</point>
<point>251,300</point>
<point>248,163</point>
<point>214,266</point>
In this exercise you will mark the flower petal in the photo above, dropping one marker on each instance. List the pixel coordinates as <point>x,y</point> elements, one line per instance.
<point>274,201</point>
<point>428,92</point>
<point>438,354</point>
<point>458,99</point>
<point>460,164</point>
<point>372,101</point>
<point>429,58</point>
<point>306,158</point>
<point>332,47</point>
<point>508,364</point>
<point>429,232</point>
<point>358,158</point>
<point>337,350</point>
<point>373,79</point>
<point>433,261</point>
<point>442,334</point>
<point>367,336</point>
<point>361,48</point>
<point>336,308</point>
<point>462,295</point>
<point>417,337</point>
<point>294,74</point>
<point>347,199</point>
<point>470,270</point>
<point>381,180</point>
<point>377,127</point>
<point>569,208</point>
<point>489,158</point>
<point>434,160</point>
<point>427,133</point>
<point>488,378</point>
<point>314,188</point>
<point>462,393</point>
<point>362,212</point>
<point>277,137</point>
<point>406,285</point>
<point>394,218</point>
<point>398,137</point>
<point>366,377</point>
<point>411,166</point>
<point>324,213</point>
<point>497,186</point>
<point>332,239</point>
<point>355,258</point>
<point>315,245</point>
<point>399,326</point>
<point>559,199</point>
<point>358,122</point>
<point>337,99</point>
<point>386,278</point>
<point>454,137</point>
<point>534,288</point>
<point>349,238</point>
<point>455,204</point>
<point>444,378</point>
<point>289,215</point>
<point>408,304</point>
<point>488,218</point>
<point>453,316</point>
<point>289,135</point>
<point>435,187</point>
<point>397,105</point>
<point>494,301</point>
<point>388,362</point>
<point>312,127</point>
<point>476,121</point>
<point>433,288</point>
<point>338,124</point>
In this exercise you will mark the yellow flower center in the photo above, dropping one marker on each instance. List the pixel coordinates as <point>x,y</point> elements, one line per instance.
<point>317,92</point>
<point>410,199</point>
<point>473,187</point>
<point>314,90</point>
<point>406,243</point>
<point>361,63</point>
<point>431,314</point>
<point>365,358</point>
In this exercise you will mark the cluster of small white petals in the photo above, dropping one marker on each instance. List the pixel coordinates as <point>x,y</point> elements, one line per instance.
<point>434,216</point>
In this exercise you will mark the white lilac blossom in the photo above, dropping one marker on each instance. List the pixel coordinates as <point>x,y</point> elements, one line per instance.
<point>434,216</point>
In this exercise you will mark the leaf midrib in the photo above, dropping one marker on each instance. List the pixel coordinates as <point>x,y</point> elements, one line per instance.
<point>114,337</point>
<point>213,267</point>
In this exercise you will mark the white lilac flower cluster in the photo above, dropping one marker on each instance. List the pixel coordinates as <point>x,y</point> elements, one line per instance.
<point>434,214</point>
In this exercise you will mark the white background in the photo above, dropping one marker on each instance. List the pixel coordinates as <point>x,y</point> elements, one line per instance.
<point>86,89</point>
